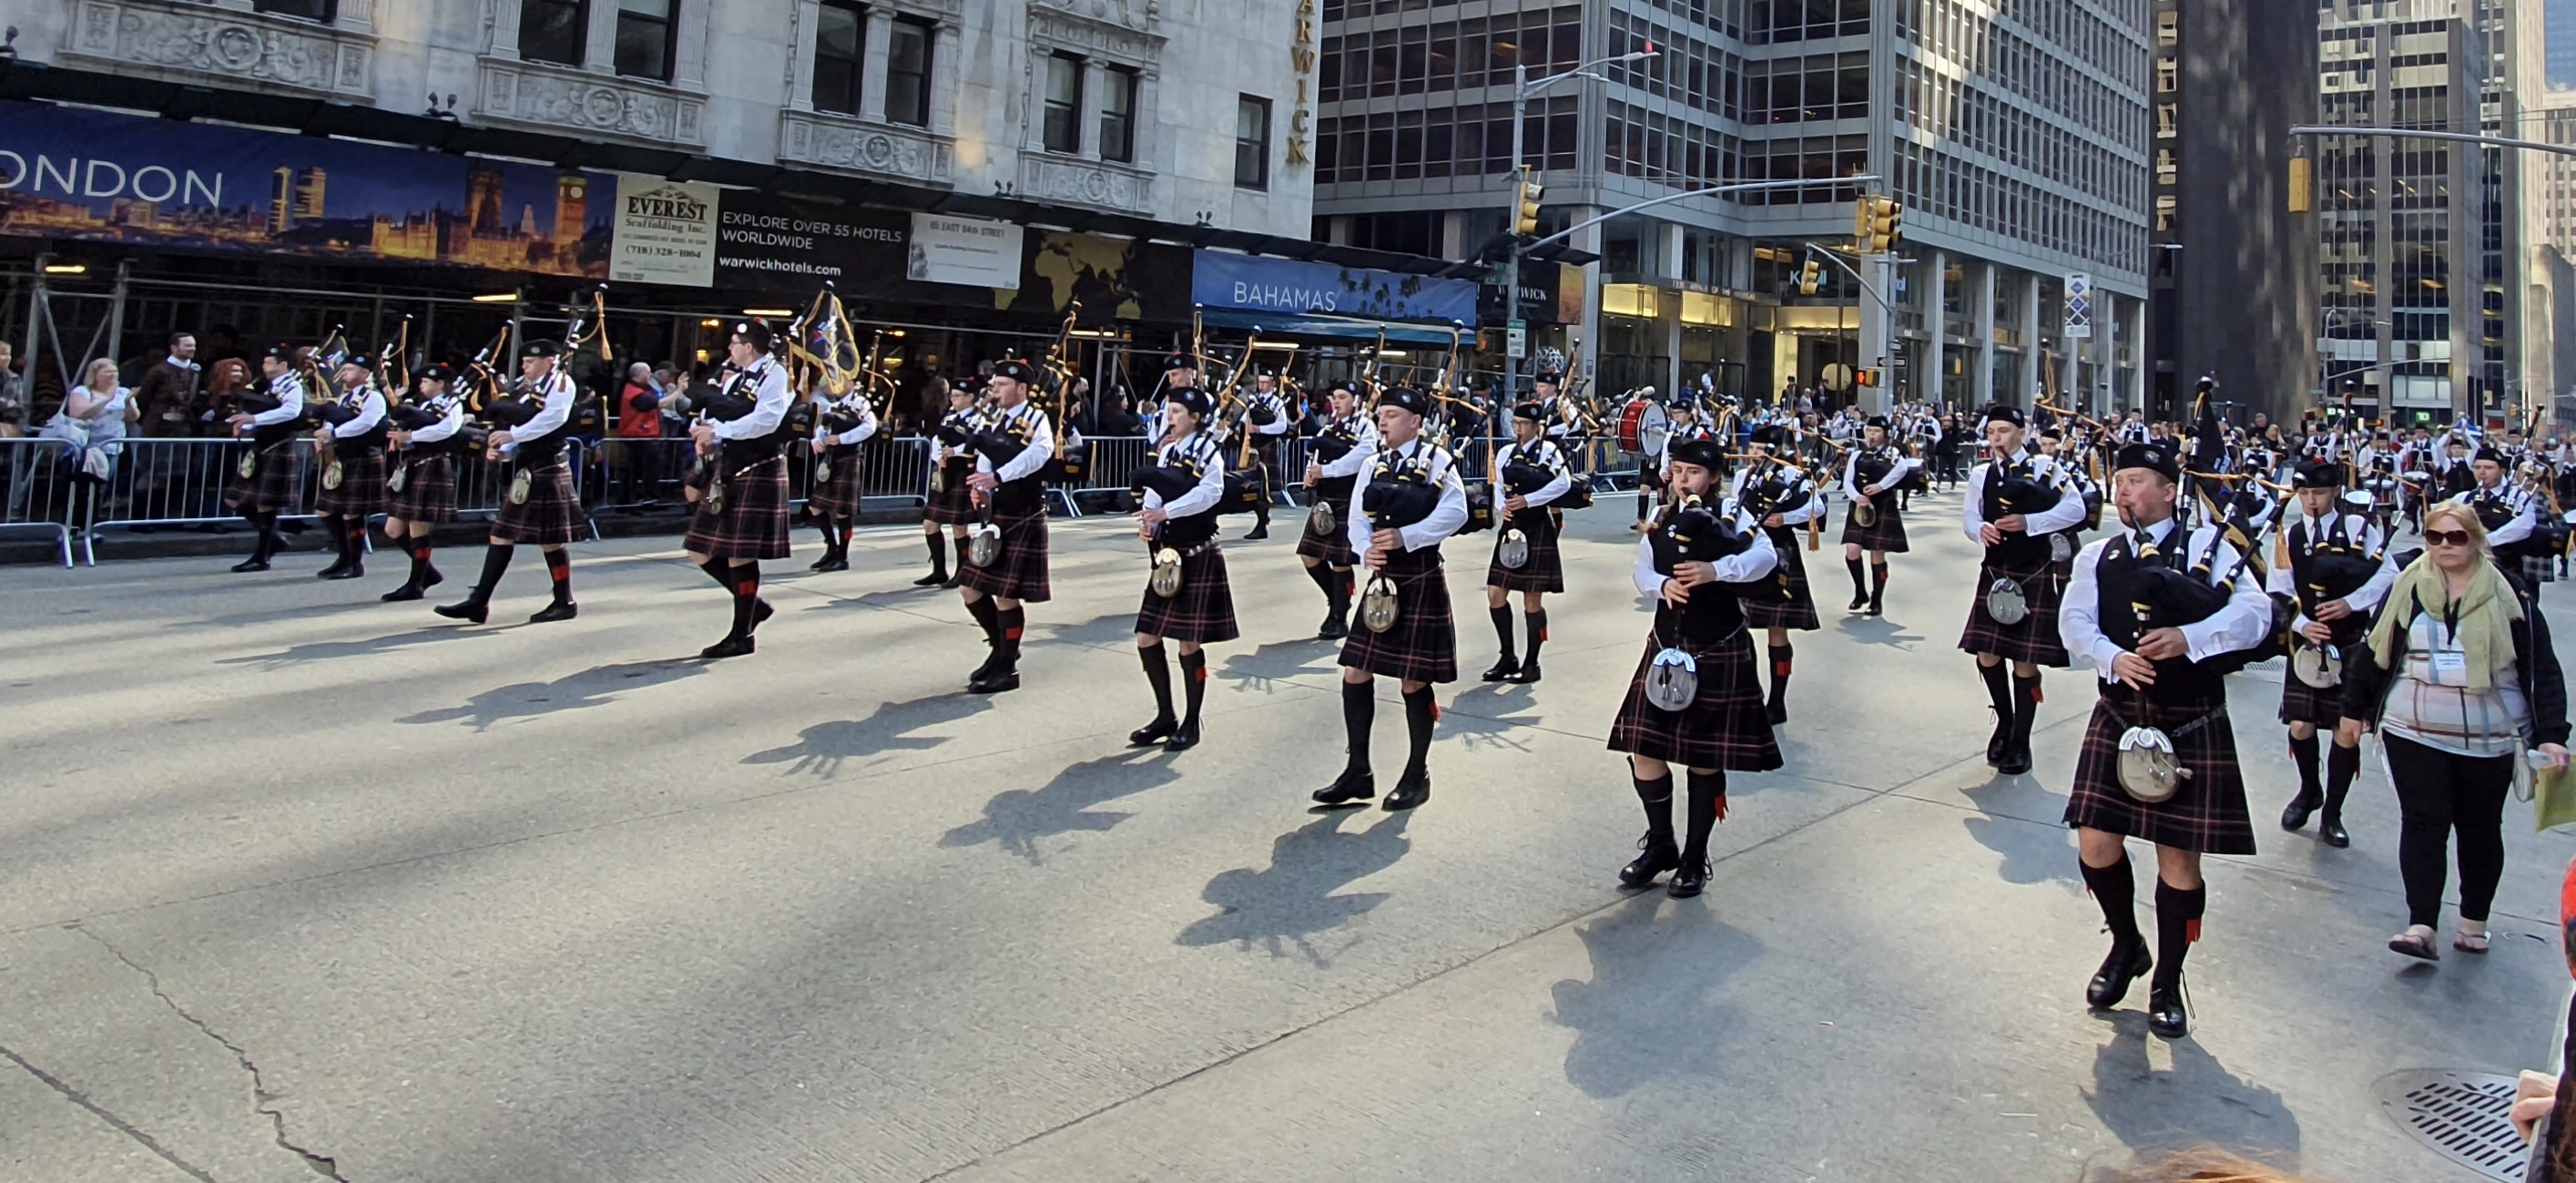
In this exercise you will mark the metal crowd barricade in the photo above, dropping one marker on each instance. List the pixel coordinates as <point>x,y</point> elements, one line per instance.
<point>891,468</point>
<point>42,489</point>
<point>178,482</point>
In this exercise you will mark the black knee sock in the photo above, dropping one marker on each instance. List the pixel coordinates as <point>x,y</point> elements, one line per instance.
<point>938,542</point>
<point>1325,581</point>
<point>1860,586</point>
<point>1158,674</point>
<point>339,538</point>
<point>357,539</point>
<point>823,526</point>
<point>270,541</point>
<point>2116,890</point>
<point>2025,709</point>
<point>1707,807</point>
<point>1998,691</point>
<point>1194,683</point>
<point>419,560</point>
<point>1783,663</point>
<point>1537,622</point>
<point>841,538</point>
<point>1420,712</point>
<point>1503,632</point>
<point>1359,710</point>
<point>988,618</point>
<point>559,570</point>
<point>2343,764</point>
<point>496,559</point>
<point>1012,622</point>
<point>2177,927</point>
<point>746,596</point>
<point>1657,796</point>
<point>720,570</point>
<point>2303,752</point>
<point>1644,498</point>
<point>1347,584</point>
<point>1878,584</point>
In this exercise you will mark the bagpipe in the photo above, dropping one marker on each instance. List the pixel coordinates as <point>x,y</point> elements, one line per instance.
<point>2171,596</point>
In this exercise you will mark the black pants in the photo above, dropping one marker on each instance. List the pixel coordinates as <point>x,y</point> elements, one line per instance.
<point>2437,793</point>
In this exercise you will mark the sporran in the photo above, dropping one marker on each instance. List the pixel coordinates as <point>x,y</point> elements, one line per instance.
<point>1672,682</point>
<point>521,483</point>
<point>400,478</point>
<point>2005,603</point>
<point>983,544</point>
<point>2150,770</point>
<point>333,474</point>
<point>1166,580</point>
<point>1513,551</point>
<point>1377,604</point>
<point>2060,548</point>
<point>1864,513</point>
<point>1320,518</point>
<point>2318,666</point>
<point>249,466</point>
<point>823,471</point>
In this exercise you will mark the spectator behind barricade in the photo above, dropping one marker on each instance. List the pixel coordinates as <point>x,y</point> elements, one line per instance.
<point>1118,419</point>
<point>171,393</point>
<point>91,424</point>
<point>13,402</point>
<point>636,457</point>
<point>225,382</point>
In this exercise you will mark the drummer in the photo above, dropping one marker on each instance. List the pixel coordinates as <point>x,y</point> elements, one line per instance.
<point>1644,428</point>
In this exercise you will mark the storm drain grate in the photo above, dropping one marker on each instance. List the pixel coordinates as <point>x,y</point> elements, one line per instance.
<point>2461,1115</point>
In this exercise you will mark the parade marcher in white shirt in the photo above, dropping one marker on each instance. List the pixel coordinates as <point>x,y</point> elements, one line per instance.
<point>1535,474</point>
<point>1269,420</point>
<point>1332,473</point>
<point>2156,610</point>
<point>1873,473</point>
<point>741,484</point>
<point>264,483</point>
<point>1779,495</point>
<point>540,506</point>
<point>422,489</point>
<point>950,505</point>
<point>2337,574</point>
<point>1015,443</point>
<point>2511,515</point>
<point>840,489</point>
<point>352,434</point>
<point>1182,490</point>
<point>2014,503</point>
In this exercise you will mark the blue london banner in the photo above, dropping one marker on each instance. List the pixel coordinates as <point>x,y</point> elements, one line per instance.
<point>1258,284</point>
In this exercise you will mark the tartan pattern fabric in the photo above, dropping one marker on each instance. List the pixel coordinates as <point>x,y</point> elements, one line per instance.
<point>1887,533</point>
<point>547,517</point>
<point>2302,703</point>
<point>429,491</point>
<point>1333,547</point>
<point>1800,611</point>
<point>1545,570</point>
<point>271,488</point>
<point>1019,572</point>
<point>754,522</point>
<point>362,487</point>
<point>1726,727</point>
<point>841,495</point>
<point>951,506</point>
<point>1202,613</point>
<point>1423,644</point>
<point>2035,639</point>
<point>2206,814</point>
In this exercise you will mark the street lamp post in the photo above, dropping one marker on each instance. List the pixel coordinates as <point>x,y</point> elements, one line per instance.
<point>1522,89</point>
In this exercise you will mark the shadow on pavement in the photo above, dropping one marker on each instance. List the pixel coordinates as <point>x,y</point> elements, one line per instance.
<point>1266,666</point>
<point>1287,905</point>
<point>1647,1014</point>
<point>1099,630</point>
<point>325,650</point>
<point>1877,630</point>
<point>2033,850</point>
<point>821,748</point>
<point>1016,819</point>
<point>596,686</point>
<point>1486,715</point>
<point>2193,1102</point>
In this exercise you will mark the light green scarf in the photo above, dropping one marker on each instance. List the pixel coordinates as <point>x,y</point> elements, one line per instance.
<point>2486,615</point>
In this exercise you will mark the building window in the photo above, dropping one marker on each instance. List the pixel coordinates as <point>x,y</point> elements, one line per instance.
<point>1118,114</point>
<point>908,73</point>
<point>553,30</point>
<point>840,48</point>
<point>1252,143</point>
<point>304,10</point>
<point>646,32</point>
<point>1062,129</point>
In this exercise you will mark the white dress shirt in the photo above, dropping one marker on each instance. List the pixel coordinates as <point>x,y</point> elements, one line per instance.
<point>770,400</point>
<point>2242,624</point>
<point>1445,518</point>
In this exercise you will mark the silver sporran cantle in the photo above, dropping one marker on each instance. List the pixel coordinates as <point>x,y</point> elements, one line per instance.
<point>1320,518</point>
<point>1166,580</point>
<point>333,474</point>
<point>1377,604</point>
<point>2318,666</point>
<point>823,471</point>
<point>1672,681</point>
<point>1513,551</point>
<point>2005,603</point>
<point>715,499</point>
<point>938,478</point>
<point>2060,548</point>
<point>249,466</point>
<point>983,544</point>
<point>400,478</point>
<point>2150,770</point>
<point>1864,513</point>
<point>521,482</point>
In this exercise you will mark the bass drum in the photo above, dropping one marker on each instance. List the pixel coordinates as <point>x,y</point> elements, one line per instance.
<point>1644,427</point>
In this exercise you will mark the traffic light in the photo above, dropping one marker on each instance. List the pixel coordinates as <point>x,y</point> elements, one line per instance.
<point>2303,185</point>
<point>1525,198</point>
<point>1880,217</point>
<point>1808,276</point>
<point>1866,378</point>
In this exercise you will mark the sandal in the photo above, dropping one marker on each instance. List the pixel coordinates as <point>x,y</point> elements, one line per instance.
<point>2417,942</point>
<point>2472,937</point>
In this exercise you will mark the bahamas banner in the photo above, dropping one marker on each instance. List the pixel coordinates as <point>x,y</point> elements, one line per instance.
<point>1260,284</point>
<point>70,173</point>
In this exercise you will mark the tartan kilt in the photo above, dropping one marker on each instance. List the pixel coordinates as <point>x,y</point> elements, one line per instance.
<point>2206,814</point>
<point>2035,639</point>
<point>429,490</point>
<point>1019,572</point>
<point>1545,570</point>
<point>1333,547</point>
<point>1203,611</point>
<point>2302,703</point>
<point>1422,646</point>
<point>1887,534</point>
<point>2539,569</point>
<point>1800,611</point>
<point>840,496</point>
<point>271,488</point>
<point>754,522</point>
<point>954,505</point>
<point>546,519</point>
<point>1726,727</point>
<point>361,491</point>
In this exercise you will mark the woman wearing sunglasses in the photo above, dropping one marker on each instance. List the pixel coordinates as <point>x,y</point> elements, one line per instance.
<point>2459,679</point>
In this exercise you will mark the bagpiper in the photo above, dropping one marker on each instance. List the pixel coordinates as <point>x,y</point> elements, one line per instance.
<point>1410,501</point>
<point>2511,515</point>
<point>840,476</point>
<point>1696,699</point>
<point>950,508</point>
<point>1333,470</point>
<point>2018,507</point>
<point>2337,572</point>
<point>1267,419</point>
<point>263,484</point>
<point>1526,559</point>
<point>352,438</point>
<point>1780,496</point>
<point>1874,474</point>
<point>422,488</point>
<point>740,489</point>
<point>1014,444</point>
<point>540,506</point>
<point>1188,600</point>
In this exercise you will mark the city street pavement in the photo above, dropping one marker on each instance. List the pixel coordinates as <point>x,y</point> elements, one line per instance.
<point>295,884</point>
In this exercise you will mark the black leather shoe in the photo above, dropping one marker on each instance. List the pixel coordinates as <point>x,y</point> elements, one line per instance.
<point>1185,738</point>
<point>2330,830</point>
<point>728,647</point>
<point>2111,983</point>
<point>1351,785</point>
<point>431,578</point>
<point>1503,670</point>
<point>1258,533</point>
<point>1689,880</point>
<point>760,612</point>
<point>2016,757</point>
<point>2165,1013</point>
<point>337,568</point>
<point>2295,814</point>
<point>246,566</point>
<point>1999,741</point>
<point>352,571</point>
<point>562,610</point>
<point>934,579</point>
<point>1877,607</point>
<point>996,682</point>
<point>476,611</point>
<point>1657,859</point>
<point>1333,629</point>
<point>1153,733</point>
<point>1777,712</point>
<point>1860,600</point>
<point>1412,789</point>
<point>1527,674</point>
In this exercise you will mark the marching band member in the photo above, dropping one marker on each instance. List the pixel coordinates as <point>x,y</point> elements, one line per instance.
<point>1410,501</point>
<point>2509,512</point>
<point>1873,473</point>
<point>1267,418</point>
<point>1781,497</point>
<point>353,431</point>
<point>2153,609</point>
<point>1332,472</point>
<point>950,507</point>
<point>423,485</point>
<point>848,421</point>
<point>1534,475</point>
<point>263,484</point>
<point>2015,502</point>
<point>1015,443</point>
<point>1691,563</point>
<point>2338,572</point>
<point>1181,495</point>
<point>741,485</point>
<point>541,505</point>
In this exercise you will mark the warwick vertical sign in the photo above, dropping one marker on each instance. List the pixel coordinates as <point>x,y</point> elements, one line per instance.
<point>1301,54</point>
